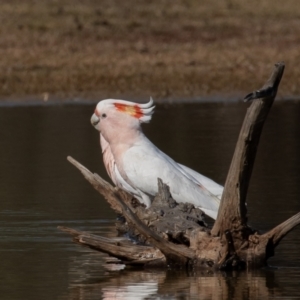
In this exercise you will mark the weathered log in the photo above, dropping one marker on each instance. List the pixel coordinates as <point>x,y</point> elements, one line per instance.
<point>176,233</point>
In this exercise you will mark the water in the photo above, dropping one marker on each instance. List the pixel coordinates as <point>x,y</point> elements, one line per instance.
<point>40,190</point>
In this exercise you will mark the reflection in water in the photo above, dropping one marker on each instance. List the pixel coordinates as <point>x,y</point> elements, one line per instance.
<point>39,190</point>
<point>157,284</point>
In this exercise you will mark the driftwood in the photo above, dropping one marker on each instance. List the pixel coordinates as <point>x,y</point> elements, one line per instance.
<point>176,234</point>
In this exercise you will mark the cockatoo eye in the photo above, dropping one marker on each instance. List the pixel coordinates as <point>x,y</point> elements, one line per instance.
<point>103,115</point>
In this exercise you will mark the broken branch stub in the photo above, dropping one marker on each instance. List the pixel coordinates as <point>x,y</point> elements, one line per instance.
<point>232,213</point>
<point>281,230</point>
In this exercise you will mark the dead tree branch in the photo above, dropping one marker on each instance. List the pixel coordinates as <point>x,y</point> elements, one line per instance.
<point>120,248</point>
<point>232,212</point>
<point>281,230</point>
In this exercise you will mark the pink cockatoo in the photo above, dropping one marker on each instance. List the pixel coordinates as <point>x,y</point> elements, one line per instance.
<point>134,163</point>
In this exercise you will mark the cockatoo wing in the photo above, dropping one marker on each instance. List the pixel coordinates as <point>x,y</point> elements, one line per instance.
<point>143,163</point>
<point>213,187</point>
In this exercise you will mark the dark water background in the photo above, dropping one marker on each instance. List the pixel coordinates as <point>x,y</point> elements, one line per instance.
<point>40,190</point>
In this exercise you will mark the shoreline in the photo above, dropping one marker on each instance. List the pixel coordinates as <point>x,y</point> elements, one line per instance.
<point>52,101</point>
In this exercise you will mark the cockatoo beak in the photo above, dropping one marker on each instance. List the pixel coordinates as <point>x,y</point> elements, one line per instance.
<point>95,120</point>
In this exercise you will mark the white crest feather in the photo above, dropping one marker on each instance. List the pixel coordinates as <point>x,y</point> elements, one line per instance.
<point>148,110</point>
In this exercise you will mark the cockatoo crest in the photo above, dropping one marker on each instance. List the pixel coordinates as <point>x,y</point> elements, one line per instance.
<point>142,112</point>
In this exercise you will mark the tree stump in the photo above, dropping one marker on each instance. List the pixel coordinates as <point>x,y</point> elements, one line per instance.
<point>175,234</point>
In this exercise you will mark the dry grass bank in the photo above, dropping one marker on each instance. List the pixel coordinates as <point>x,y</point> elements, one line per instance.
<point>168,48</point>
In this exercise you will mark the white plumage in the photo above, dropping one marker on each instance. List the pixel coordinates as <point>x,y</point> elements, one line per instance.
<point>134,163</point>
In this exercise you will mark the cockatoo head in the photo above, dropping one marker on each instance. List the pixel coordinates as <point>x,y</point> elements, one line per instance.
<point>111,113</point>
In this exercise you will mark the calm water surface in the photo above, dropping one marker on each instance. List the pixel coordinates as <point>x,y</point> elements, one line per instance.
<point>40,190</point>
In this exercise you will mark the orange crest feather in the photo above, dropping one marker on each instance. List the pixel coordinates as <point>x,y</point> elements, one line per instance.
<point>134,111</point>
